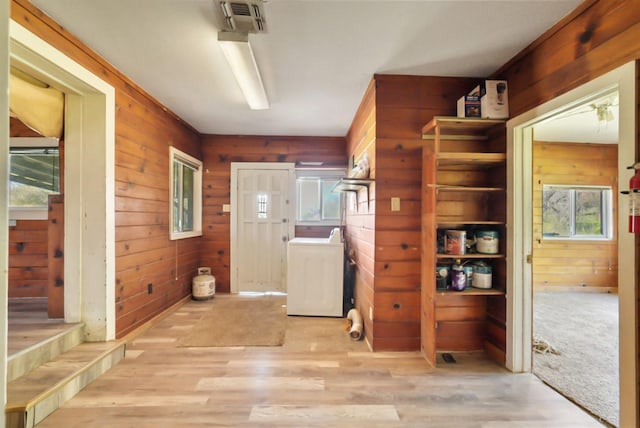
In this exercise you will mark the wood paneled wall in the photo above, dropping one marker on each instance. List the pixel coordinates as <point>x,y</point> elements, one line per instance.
<point>387,243</point>
<point>144,131</point>
<point>599,36</point>
<point>404,105</point>
<point>570,264</point>
<point>218,152</point>
<point>360,221</point>
<point>28,258</point>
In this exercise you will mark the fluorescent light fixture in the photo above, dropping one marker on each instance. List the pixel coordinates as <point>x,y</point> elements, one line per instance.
<point>239,55</point>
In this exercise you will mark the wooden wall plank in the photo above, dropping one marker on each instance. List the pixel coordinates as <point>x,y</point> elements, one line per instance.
<point>55,257</point>
<point>460,336</point>
<point>28,259</point>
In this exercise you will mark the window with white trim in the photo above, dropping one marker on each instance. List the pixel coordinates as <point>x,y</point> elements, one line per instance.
<point>34,174</point>
<point>316,204</point>
<point>185,195</point>
<point>577,212</point>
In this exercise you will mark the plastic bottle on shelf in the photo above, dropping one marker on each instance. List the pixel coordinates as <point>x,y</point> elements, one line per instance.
<point>458,276</point>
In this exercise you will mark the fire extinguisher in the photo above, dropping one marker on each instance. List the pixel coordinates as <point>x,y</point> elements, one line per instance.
<point>634,199</point>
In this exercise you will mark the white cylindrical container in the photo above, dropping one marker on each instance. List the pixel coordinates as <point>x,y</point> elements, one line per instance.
<point>203,285</point>
<point>487,242</point>
<point>482,275</point>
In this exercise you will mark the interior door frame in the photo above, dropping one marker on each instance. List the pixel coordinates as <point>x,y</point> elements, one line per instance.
<point>519,196</point>
<point>4,197</point>
<point>273,166</point>
<point>89,242</point>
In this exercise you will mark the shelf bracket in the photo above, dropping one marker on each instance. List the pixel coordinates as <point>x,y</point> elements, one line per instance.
<point>353,185</point>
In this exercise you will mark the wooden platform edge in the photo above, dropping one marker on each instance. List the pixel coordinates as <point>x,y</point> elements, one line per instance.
<point>25,407</point>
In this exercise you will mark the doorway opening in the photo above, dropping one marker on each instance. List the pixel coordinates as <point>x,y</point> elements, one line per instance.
<point>575,254</point>
<point>520,303</point>
<point>89,171</point>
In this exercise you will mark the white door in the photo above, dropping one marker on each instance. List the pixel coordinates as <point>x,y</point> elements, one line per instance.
<point>263,227</point>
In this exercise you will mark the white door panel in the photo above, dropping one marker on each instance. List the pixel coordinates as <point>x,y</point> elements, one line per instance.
<point>262,229</point>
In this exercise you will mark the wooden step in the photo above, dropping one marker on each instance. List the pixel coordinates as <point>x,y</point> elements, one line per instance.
<point>35,355</point>
<point>32,397</point>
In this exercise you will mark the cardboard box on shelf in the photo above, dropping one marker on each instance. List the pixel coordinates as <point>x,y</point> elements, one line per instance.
<point>494,99</point>
<point>469,106</point>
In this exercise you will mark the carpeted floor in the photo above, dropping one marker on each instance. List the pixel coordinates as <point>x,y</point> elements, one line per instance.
<point>583,329</point>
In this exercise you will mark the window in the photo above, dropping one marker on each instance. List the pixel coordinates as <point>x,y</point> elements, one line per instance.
<point>316,203</point>
<point>186,195</point>
<point>570,212</point>
<point>34,174</point>
<point>262,206</point>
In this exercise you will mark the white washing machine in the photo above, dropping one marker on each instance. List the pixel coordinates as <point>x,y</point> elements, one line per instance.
<point>314,276</point>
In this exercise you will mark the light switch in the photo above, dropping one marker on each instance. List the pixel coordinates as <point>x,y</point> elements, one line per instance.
<point>226,208</point>
<point>395,204</point>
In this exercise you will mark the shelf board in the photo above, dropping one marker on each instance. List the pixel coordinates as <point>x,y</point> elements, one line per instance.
<point>470,291</point>
<point>449,188</point>
<point>448,222</point>
<point>455,128</point>
<point>474,159</point>
<point>353,185</point>
<point>470,256</point>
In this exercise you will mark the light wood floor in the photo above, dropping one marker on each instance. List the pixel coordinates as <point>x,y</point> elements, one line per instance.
<point>30,324</point>
<point>160,384</point>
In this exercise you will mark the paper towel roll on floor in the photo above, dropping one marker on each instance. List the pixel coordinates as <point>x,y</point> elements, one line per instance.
<point>356,324</point>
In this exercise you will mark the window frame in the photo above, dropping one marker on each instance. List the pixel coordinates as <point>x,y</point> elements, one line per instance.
<point>606,210</point>
<point>319,174</point>
<point>40,212</point>
<point>176,155</point>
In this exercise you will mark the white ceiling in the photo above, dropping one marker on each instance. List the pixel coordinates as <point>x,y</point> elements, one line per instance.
<point>316,59</point>
<point>581,124</point>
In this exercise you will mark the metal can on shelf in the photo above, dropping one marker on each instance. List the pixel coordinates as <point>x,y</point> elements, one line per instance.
<point>455,242</point>
<point>487,242</point>
<point>468,271</point>
<point>482,276</point>
<point>442,277</point>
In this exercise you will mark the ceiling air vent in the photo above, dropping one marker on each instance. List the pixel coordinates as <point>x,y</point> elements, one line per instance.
<point>240,16</point>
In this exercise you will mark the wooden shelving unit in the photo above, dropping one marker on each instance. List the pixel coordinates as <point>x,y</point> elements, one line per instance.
<point>464,188</point>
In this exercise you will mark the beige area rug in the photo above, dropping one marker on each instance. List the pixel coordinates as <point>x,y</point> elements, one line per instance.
<point>245,321</point>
